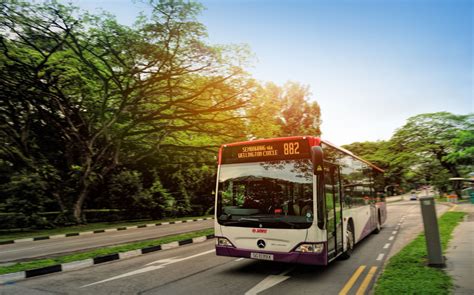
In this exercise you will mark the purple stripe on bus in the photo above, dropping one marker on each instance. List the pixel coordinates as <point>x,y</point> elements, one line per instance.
<point>291,257</point>
<point>368,228</point>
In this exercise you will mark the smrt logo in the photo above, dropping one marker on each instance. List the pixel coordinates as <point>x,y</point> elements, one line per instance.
<point>259,230</point>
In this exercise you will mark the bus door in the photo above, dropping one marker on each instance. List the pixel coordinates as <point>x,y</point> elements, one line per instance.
<point>332,193</point>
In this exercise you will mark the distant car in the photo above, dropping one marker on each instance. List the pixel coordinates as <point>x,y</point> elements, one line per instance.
<point>413,197</point>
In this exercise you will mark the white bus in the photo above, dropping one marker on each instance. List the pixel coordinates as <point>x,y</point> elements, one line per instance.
<point>295,199</point>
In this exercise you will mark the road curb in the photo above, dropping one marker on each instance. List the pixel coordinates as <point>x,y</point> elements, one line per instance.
<point>76,265</point>
<point>67,235</point>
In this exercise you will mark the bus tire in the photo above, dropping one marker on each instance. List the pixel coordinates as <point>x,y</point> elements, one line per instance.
<point>378,228</point>
<point>350,242</point>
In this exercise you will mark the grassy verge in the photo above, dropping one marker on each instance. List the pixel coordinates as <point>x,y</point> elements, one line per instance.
<point>5,236</point>
<point>407,273</point>
<point>101,252</point>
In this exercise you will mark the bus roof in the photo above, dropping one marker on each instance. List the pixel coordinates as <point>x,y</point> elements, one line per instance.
<point>313,141</point>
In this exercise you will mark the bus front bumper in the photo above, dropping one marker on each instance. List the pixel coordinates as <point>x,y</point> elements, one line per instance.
<point>290,257</point>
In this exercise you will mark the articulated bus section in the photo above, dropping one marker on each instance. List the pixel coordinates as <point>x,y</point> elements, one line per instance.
<point>296,199</point>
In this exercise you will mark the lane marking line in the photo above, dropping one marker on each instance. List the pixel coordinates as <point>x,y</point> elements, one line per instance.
<point>452,208</point>
<point>239,259</point>
<point>380,257</point>
<point>352,280</point>
<point>149,267</point>
<point>366,281</point>
<point>269,281</point>
<point>394,232</point>
<point>391,238</point>
<point>386,246</point>
<point>173,260</point>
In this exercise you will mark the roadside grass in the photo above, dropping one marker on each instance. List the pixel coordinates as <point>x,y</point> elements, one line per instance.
<point>407,272</point>
<point>6,236</point>
<point>21,266</point>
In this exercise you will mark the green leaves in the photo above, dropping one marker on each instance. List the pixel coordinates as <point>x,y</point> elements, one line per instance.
<point>428,149</point>
<point>283,111</point>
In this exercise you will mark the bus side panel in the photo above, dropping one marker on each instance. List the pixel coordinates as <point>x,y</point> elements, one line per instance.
<point>363,222</point>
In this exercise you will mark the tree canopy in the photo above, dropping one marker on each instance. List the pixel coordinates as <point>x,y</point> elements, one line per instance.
<point>96,114</point>
<point>428,149</point>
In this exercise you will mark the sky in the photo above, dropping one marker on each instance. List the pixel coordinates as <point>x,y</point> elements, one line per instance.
<point>370,64</point>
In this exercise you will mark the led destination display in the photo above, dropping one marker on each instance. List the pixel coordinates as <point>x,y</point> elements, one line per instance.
<point>266,151</point>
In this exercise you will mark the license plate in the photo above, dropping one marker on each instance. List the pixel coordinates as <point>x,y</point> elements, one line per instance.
<point>261,256</point>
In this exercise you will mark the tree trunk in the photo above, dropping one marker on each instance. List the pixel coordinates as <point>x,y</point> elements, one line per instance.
<point>85,185</point>
<point>60,202</point>
<point>78,216</point>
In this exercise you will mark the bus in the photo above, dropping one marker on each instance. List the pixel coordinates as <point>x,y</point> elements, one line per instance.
<point>295,199</point>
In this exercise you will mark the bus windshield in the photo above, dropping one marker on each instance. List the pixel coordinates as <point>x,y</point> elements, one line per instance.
<point>273,194</point>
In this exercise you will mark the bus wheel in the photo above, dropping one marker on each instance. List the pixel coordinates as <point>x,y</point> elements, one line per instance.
<point>350,242</point>
<point>379,224</point>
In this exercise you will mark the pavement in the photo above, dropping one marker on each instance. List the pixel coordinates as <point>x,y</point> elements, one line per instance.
<point>28,250</point>
<point>194,269</point>
<point>460,252</point>
<point>411,224</point>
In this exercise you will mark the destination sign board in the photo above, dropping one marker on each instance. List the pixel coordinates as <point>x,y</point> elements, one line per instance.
<point>266,151</point>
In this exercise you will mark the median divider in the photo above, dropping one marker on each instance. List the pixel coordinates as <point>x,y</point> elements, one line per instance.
<point>76,265</point>
<point>67,235</point>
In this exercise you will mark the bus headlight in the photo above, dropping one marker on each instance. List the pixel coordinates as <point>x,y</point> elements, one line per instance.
<point>310,248</point>
<point>224,242</point>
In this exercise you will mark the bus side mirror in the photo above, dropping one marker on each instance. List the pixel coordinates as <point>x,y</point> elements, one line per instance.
<point>317,159</point>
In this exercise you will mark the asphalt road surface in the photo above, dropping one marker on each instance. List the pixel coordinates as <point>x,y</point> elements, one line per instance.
<point>53,247</point>
<point>194,269</point>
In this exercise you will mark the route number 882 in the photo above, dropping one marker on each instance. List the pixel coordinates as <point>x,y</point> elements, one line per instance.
<point>291,148</point>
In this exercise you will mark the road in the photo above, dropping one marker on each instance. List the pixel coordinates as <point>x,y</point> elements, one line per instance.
<point>194,269</point>
<point>53,247</point>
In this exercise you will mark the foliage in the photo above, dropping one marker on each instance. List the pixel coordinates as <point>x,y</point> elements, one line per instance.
<point>428,149</point>
<point>283,111</point>
<point>407,272</point>
<point>87,97</point>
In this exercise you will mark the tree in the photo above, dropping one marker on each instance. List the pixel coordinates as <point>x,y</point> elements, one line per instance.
<point>299,115</point>
<point>428,149</point>
<point>283,111</point>
<point>431,136</point>
<point>110,95</point>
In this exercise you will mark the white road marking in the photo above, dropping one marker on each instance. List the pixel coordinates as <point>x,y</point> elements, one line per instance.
<point>380,257</point>
<point>162,260</point>
<point>174,260</point>
<point>138,271</point>
<point>394,232</point>
<point>397,228</point>
<point>391,238</point>
<point>239,259</point>
<point>386,246</point>
<point>149,267</point>
<point>268,282</point>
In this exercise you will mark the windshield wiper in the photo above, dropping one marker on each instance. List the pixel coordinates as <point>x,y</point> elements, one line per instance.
<point>240,220</point>
<point>275,219</point>
<point>249,219</point>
